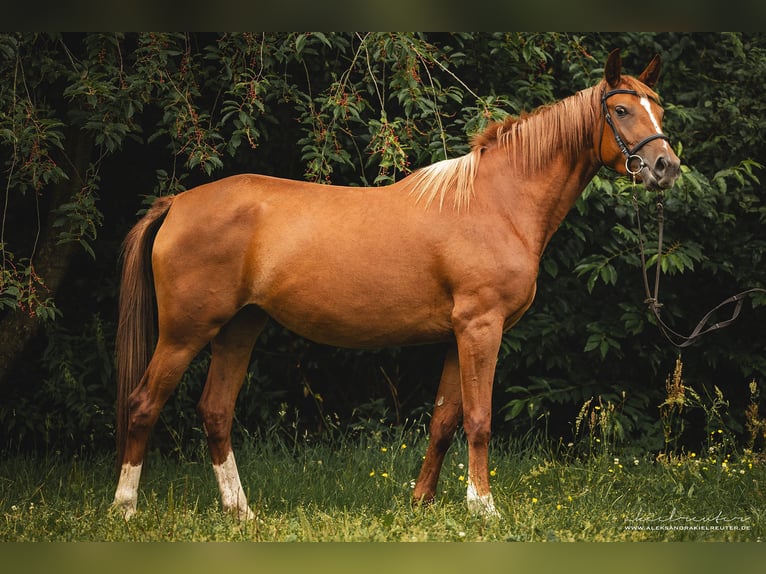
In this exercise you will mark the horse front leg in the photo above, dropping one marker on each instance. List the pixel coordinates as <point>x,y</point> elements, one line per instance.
<point>446,415</point>
<point>478,342</point>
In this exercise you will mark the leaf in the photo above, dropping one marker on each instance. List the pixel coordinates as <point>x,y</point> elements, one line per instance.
<point>11,290</point>
<point>608,274</point>
<point>593,343</point>
<point>550,266</point>
<point>300,42</point>
<point>516,408</point>
<point>322,38</point>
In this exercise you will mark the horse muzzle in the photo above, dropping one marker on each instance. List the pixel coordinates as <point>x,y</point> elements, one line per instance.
<point>664,173</point>
<point>659,173</point>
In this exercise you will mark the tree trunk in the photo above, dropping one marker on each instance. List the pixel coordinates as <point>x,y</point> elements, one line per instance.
<point>51,260</point>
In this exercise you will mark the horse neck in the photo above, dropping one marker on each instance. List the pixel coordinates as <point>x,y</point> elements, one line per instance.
<point>535,203</point>
<point>538,166</point>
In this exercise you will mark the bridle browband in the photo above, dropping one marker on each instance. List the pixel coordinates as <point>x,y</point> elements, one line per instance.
<point>630,154</point>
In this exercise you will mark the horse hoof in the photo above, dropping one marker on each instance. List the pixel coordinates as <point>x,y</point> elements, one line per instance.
<point>481,505</point>
<point>246,514</point>
<point>422,502</point>
<point>241,513</point>
<point>126,510</point>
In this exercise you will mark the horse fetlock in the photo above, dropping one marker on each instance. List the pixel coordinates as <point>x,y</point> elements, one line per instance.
<point>126,495</point>
<point>124,503</point>
<point>232,494</point>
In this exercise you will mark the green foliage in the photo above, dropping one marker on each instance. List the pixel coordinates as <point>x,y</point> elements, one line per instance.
<point>80,218</point>
<point>76,395</point>
<point>71,408</point>
<point>23,289</point>
<point>156,113</point>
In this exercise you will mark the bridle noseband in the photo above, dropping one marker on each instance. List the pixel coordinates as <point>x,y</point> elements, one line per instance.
<point>630,154</point>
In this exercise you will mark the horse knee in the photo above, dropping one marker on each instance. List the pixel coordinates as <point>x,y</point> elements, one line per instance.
<point>477,429</point>
<point>442,432</point>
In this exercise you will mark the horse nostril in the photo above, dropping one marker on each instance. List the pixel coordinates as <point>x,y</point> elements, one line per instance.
<point>660,165</point>
<point>666,170</point>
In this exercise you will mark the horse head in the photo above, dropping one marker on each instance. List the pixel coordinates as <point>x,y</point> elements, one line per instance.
<point>632,112</point>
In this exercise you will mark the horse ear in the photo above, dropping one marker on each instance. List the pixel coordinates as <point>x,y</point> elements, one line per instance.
<point>613,68</point>
<point>652,72</point>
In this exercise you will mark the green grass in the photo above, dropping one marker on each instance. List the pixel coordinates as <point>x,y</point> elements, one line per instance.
<point>358,489</point>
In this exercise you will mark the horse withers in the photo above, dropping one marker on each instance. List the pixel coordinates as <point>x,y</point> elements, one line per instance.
<point>449,253</point>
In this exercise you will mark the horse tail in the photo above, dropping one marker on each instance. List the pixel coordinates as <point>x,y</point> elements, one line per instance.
<point>136,329</point>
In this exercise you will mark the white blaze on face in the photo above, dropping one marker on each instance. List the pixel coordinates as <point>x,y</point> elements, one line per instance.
<point>232,495</point>
<point>126,495</point>
<point>648,107</point>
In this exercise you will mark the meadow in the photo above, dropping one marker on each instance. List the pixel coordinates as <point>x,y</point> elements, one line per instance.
<point>357,487</point>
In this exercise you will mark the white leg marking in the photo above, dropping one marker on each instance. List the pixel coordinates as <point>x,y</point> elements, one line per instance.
<point>483,505</point>
<point>126,495</point>
<point>648,107</point>
<point>232,495</point>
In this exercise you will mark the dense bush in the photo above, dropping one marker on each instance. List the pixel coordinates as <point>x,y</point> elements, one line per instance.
<point>92,126</point>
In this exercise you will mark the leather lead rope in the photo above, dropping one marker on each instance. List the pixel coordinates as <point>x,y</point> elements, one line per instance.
<point>652,299</point>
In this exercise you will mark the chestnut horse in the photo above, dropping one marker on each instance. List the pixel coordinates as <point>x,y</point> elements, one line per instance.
<point>449,253</point>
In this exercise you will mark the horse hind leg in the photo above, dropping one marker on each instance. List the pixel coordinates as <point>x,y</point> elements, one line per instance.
<point>163,374</point>
<point>231,351</point>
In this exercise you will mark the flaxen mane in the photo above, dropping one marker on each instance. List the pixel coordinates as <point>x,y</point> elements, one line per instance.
<point>530,142</point>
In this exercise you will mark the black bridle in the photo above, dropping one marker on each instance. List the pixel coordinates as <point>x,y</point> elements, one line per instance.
<point>631,154</point>
<point>652,298</point>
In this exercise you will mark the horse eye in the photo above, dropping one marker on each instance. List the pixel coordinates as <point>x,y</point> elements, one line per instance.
<point>620,111</point>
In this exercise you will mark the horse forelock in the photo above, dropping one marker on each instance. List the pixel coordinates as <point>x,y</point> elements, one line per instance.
<point>642,89</point>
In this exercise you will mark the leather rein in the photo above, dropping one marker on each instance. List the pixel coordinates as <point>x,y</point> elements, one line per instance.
<point>652,298</point>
